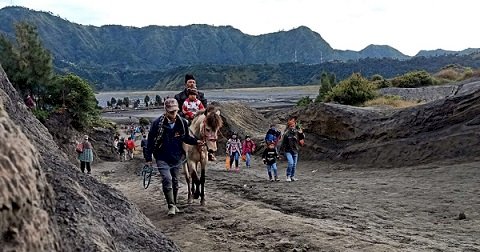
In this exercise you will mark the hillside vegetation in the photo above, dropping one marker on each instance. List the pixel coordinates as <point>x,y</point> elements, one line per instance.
<point>114,57</point>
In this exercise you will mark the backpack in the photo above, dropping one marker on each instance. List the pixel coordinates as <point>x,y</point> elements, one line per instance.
<point>79,148</point>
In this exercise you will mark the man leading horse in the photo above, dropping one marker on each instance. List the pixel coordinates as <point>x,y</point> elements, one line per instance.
<point>167,134</point>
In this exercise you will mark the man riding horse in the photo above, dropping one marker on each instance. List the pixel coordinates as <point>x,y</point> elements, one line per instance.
<point>190,83</point>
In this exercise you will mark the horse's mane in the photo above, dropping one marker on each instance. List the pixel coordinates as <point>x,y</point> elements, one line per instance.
<point>212,119</point>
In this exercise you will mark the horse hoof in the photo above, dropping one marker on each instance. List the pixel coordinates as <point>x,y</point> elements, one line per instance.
<point>202,203</point>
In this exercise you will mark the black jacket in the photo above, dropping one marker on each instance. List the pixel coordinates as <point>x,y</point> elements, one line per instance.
<point>270,156</point>
<point>171,149</point>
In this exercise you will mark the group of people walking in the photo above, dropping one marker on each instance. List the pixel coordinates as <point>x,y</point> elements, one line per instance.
<point>170,131</point>
<point>290,143</point>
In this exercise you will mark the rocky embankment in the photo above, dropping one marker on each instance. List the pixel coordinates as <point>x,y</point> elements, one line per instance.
<point>47,204</point>
<point>439,130</point>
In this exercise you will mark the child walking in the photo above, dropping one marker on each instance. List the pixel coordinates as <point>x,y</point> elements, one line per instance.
<point>234,150</point>
<point>270,156</point>
<point>248,148</point>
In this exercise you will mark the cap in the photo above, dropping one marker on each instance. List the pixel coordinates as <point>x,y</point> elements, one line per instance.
<point>247,136</point>
<point>189,77</point>
<point>171,104</point>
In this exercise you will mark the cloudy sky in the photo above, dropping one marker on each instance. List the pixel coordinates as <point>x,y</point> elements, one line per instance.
<point>407,25</point>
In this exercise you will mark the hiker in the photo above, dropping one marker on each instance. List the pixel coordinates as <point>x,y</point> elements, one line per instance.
<point>234,150</point>
<point>190,82</point>
<point>291,140</point>
<point>192,105</point>
<point>130,147</point>
<point>248,148</point>
<point>85,155</point>
<point>273,135</point>
<point>144,144</point>
<point>269,157</point>
<point>167,133</point>
<point>30,102</point>
<point>121,146</point>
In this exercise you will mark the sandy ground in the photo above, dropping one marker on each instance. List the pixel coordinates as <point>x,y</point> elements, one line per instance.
<point>331,208</point>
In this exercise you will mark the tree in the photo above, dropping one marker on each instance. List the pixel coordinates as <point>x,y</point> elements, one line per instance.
<point>146,100</point>
<point>78,99</point>
<point>9,58</point>
<point>113,101</point>
<point>327,81</point>
<point>34,63</point>
<point>126,102</point>
<point>158,100</point>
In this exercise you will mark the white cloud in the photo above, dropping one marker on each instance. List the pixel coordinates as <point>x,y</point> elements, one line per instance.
<point>407,25</point>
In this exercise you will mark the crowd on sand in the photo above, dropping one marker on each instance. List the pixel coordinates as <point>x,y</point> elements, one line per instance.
<point>163,141</point>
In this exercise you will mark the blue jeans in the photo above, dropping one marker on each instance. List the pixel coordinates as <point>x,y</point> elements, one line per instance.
<point>247,162</point>
<point>270,168</point>
<point>169,175</point>
<point>292,159</point>
<point>235,156</point>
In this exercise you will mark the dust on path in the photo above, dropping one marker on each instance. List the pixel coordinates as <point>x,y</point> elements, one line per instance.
<point>330,209</point>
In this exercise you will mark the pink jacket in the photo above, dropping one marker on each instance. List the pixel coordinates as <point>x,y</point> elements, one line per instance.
<point>248,146</point>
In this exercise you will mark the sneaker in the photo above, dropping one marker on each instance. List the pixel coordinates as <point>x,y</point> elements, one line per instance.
<point>293,179</point>
<point>276,179</point>
<point>289,179</point>
<point>177,210</point>
<point>271,179</point>
<point>89,173</point>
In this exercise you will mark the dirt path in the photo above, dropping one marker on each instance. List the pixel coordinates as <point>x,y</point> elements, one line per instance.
<point>329,209</point>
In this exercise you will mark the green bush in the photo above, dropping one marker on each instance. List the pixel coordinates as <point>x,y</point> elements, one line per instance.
<point>414,79</point>
<point>352,91</point>
<point>41,115</point>
<point>143,121</point>
<point>377,77</point>
<point>304,101</point>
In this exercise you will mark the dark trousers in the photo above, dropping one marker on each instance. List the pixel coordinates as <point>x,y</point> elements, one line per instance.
<point>82,166</point>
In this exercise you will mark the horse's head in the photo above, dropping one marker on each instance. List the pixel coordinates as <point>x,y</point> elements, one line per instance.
<point>210,127</point>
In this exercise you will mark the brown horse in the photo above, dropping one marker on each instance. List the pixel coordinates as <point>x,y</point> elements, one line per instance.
<point>205,126</point>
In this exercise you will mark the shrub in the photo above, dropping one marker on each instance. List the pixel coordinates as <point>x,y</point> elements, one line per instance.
<point>376,77</point>
<point>353,91</point>
<point>143,121</point>
<point>381,83</point>
<point>414,79</point>
<point>304,101</point>
<point>41,115</point>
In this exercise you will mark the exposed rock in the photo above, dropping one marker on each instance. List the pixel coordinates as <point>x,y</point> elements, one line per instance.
<point>26,199</point>
<point>440,130</point>
<point>86,214</point>
<point>237,117</point>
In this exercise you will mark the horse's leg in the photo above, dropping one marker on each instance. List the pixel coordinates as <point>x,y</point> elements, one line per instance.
<point>197,191</point>
<point>188,178</point>
<point>202,184</point>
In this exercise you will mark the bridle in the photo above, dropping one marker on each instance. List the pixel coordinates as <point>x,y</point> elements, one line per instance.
<point>204,136</point>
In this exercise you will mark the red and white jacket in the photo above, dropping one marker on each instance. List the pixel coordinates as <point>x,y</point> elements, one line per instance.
<point>190,108</point>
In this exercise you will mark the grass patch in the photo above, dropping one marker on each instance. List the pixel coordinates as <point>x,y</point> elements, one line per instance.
<point>390,101</point>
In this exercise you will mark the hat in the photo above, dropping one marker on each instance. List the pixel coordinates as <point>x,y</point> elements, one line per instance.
<point>189,77</point>
<point>85,137</point>
<point>192,91</point>
<point>247,136</point>
<point>171,104</point>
